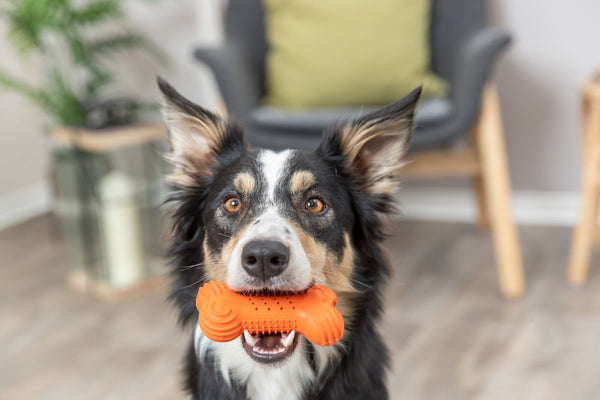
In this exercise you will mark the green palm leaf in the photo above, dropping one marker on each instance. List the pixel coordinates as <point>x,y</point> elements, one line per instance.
<point>95,12</point>
<point>37,96</point>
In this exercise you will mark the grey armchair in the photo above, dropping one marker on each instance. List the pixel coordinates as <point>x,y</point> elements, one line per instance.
<point>463,51</point>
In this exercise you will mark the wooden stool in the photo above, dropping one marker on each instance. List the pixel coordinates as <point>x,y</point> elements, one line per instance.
<point>587,230</point>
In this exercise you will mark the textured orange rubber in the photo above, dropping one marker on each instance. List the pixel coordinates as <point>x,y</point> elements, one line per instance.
<point>224,314</point>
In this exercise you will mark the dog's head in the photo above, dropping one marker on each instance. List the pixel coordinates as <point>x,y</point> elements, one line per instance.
<point>261,220</point>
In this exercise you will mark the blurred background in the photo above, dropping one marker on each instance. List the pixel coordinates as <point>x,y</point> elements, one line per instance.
<point>495,285</point>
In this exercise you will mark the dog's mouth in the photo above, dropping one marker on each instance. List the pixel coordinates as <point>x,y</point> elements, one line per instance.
<point>269,348</point>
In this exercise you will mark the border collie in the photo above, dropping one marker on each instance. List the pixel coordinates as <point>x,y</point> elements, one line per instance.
<point>315,216</point>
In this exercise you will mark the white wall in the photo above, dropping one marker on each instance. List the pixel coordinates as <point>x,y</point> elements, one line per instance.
<point>177,26</point>
<point>556,48</point>
<point>22,148</point>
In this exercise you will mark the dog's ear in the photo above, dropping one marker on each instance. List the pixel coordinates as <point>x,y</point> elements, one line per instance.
<point>373,146</point>
<point>198,137</point>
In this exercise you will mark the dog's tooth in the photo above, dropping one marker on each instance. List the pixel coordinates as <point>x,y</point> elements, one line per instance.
<point>249,339</point>
<point>289,339</point>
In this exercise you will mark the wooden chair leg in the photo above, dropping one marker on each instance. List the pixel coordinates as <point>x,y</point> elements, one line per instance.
<point>590,124</point>
<point>597,226</point>
<point>583,237</point>
<point>496,182</point>
<point>483,222</point>
<point>587,227</point>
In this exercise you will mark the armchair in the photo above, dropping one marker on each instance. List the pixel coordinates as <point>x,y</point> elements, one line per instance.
<point>463,51</point>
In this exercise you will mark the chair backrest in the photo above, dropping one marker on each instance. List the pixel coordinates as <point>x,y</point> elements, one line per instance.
<point>245,29</point>
<point>451,23</point>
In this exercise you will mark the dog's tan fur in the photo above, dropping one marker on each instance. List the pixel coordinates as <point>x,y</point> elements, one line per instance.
<point>216,265</point>
<point>330,270</point>
<point>301,181</point>
<point>245,183</point>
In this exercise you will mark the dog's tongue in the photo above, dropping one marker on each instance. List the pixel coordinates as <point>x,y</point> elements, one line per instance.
<point>270,341</point>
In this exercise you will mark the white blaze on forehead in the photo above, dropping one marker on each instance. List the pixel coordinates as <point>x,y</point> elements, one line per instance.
<point>271,225</point>
<point>273,167</point>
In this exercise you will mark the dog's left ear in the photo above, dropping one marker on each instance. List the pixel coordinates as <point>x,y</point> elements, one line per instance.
<point>198,137</point>
<point>373,146</point>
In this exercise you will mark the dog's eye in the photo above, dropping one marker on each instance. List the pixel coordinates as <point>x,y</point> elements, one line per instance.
<point>232,205</point>
<point>314,205</point>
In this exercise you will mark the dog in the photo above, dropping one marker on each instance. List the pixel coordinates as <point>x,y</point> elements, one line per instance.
<point>279,222</point>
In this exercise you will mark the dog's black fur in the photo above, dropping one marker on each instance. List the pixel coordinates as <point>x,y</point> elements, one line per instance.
<point>360,370</point>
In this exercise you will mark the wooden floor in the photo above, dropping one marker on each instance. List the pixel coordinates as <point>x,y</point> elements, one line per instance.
<point>452,335</point>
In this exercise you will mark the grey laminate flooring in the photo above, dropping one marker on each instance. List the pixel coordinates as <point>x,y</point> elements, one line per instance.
<point>452,336</point>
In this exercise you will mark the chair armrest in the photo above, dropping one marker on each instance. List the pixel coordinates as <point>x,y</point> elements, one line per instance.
<point>475,61</point>
<point>239,84</point>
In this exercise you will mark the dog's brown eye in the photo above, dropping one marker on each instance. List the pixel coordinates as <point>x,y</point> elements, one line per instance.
<point>314,205</point>
<point>232,204</point>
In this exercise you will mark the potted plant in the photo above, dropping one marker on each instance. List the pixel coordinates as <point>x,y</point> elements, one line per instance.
<point>62,34</point>
<point>66,35</point>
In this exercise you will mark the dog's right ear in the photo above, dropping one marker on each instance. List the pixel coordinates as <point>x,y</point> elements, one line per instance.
<point>197,136</point>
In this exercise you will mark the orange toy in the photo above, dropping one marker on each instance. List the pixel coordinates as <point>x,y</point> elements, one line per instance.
<point>224,314</point>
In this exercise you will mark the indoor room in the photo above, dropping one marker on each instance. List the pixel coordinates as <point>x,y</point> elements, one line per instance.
<point>299,199</point>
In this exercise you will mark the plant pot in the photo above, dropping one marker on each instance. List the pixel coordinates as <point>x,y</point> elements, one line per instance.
<point>108,201</point>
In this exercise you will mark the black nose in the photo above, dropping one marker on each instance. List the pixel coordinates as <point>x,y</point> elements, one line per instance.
<point>265,259</point>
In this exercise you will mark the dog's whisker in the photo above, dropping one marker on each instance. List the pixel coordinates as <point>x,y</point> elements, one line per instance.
<point>361,283</point>
<point>332,275</point>
<point>186,267</point>
<point>193,284</point>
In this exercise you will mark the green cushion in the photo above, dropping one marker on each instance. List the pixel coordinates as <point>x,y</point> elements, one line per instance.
<point>347,52</point>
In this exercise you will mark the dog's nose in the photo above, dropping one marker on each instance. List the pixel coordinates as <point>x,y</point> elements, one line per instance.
<point>265,259</point>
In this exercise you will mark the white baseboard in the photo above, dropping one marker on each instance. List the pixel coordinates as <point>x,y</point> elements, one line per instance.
<point>439,204</point>
<point>24,203</point>
<point>458,205</point>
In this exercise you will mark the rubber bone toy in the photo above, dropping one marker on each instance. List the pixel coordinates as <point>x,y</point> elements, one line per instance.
<point>224,314</point>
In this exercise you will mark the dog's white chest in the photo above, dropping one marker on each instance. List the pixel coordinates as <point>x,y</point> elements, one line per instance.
<point>263,382</point>
<point>278,383</point>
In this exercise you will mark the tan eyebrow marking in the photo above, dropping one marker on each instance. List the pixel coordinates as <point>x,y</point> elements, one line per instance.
<point>301,180</point>
<point>244,183</point>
